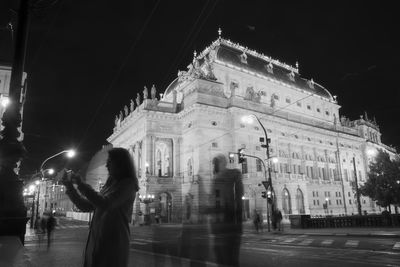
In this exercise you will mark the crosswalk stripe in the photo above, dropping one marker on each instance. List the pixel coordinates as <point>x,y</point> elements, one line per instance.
<point>139,239</point>
<point>397,246</point>
<point>289,240</point>
<point>306,242</point>
<point>138,243</point>
<point>327,242</point>
<point>351,243</point>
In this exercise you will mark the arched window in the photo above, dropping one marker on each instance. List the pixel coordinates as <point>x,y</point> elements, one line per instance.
<point>163,159</point>
<point>300,201</point>
<point>286,205</point>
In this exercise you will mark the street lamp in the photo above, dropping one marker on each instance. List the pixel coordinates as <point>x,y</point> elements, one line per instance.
<point>356,185</point>
<point>70,154</point>
<point>37,182</point>
<point>250,119</point>
<point>32,189</point>
<point>146,199</point>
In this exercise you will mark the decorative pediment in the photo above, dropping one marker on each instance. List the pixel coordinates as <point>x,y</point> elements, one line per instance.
<point>197,71</point>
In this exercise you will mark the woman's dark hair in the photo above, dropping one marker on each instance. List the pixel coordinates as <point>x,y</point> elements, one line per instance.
<point>123,162</point>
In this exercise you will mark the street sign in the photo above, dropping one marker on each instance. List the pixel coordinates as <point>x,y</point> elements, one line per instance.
<point>266,184</point>
<point>140,213</point>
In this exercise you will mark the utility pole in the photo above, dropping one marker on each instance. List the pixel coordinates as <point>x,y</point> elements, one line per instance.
<point>12,209</point>
<point>357,190</point>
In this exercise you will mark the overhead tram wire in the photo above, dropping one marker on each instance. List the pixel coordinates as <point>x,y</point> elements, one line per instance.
<point>185,47</point>
<point>115,79</point>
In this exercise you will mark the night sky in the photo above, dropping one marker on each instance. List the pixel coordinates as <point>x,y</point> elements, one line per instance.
<point>87,59</point>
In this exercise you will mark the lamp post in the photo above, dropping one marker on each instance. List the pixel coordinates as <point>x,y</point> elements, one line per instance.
<point>248,119</point>
<point>70,154</point>
<point>32,189</point>
<point>37,198</point>
<point>146,200</point>
<point>356,185</point>
<point>266,183</point>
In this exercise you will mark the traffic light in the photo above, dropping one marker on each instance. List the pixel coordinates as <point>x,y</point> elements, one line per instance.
<point>241,155</point>
<point>264,194</point>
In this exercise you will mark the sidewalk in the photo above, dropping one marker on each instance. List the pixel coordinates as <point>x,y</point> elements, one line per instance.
<point>391,232</point>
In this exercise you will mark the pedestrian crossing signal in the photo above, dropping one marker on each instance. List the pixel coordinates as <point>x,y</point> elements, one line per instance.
<point>264,194</point>
<point>241,155</point>
<point>231,157</point>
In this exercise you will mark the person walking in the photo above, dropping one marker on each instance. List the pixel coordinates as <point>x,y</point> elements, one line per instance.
<point>108,240</point>
<point>278,217</point>
<point>50,225</point>
<point>256,220</point>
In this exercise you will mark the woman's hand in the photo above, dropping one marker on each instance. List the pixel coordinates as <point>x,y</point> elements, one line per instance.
<point>66,178</point>
<point>76,178</point>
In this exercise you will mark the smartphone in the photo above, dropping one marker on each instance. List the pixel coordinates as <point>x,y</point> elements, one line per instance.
<point>69,175</point>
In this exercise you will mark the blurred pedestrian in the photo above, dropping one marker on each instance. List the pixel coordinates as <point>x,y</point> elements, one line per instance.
<point>226,224</point>
<point>279,219</point>
<point>256,220</point>
<point>108,240</point>
<point>273,219</point>
<point>261,226</point>
<point>50,225</point>
<point>43,224</point>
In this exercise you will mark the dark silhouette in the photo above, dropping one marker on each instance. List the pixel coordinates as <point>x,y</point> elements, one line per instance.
<point>226,224</point>
<point>43,225</point>
<point>278,217</point>
<point>256,220</point>
<point>50,225</point>
<point>108,240</point>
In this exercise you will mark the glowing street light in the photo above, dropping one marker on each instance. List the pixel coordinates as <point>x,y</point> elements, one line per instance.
<point>70,154</point>
<point>32,188</point>
<point>274,160</point>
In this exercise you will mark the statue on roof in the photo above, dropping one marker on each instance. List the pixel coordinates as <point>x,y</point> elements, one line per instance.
<point>116,121</point>
<point>132,105</point>
<point>208,69</point>
<point>121,116</point>
<point>126,111</point>
<point>153,92</point>
<point>145,93</point>
<point>273,103</point>
<point>137,100</point>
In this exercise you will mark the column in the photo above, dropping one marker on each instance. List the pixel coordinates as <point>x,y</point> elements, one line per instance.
<point>176,156</point>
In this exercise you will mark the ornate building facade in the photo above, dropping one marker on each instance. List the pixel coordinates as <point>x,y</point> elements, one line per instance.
<point>174,139</point>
